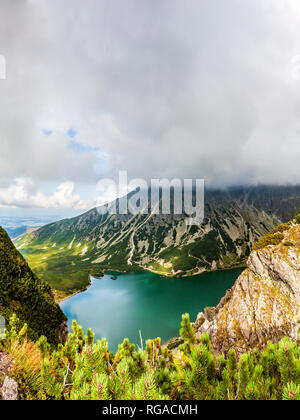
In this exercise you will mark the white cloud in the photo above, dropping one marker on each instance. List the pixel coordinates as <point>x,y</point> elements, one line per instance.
<point>23,193</point>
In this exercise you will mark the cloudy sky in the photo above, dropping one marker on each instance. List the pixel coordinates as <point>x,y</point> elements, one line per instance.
<point>161,88</point>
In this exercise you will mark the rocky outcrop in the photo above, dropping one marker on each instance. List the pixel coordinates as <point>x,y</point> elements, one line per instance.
<point>63,331</point>
<point>5,364</point>
<point>264,303</point>
<point>9,390</point>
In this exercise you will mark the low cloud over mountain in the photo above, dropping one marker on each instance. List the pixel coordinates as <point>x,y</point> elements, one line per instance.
<point>206,89</point>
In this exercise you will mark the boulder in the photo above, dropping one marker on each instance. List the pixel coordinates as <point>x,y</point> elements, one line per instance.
<point>9,390</point>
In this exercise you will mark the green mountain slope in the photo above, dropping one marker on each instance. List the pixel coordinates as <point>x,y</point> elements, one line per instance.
<point>67,252</point>
<point>24,294</point>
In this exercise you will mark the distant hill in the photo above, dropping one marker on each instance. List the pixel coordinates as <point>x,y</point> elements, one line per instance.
<point>65,253</point>
<point>24,294</point>
<point>17,225</point>
<point>17,231</point>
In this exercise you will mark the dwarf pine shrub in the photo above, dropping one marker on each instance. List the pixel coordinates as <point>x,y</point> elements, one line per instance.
<point>83,369</point>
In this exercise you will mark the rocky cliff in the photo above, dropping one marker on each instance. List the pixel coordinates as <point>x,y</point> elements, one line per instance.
<point>264,303</point>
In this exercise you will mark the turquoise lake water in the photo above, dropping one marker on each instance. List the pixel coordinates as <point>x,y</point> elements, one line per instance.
<point>118,309</point>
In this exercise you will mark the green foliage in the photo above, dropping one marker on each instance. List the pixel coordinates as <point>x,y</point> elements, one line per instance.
<point>24,294</point>
<point>269,239</point>
<point>297,219</point>
<point>291,392</point>
<point>82,369</point>
<point>209,247</point>
<point>288,243</point>
<point>187,332</point>
<point>281,228</point>
<point>276,236</point>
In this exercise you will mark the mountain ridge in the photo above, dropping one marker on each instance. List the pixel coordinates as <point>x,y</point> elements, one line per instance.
<point>67,252</point>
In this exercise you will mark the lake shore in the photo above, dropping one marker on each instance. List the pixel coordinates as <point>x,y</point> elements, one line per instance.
<point>61,296</point>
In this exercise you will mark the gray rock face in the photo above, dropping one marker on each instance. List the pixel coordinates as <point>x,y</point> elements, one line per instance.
<point>264,303</point>
<point>63,332</point>
<point>9,390</point>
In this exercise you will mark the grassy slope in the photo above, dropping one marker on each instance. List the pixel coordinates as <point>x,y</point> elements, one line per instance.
<point>23,293</point>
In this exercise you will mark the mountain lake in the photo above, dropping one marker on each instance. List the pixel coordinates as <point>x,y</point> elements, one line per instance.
<point>146,302</point>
